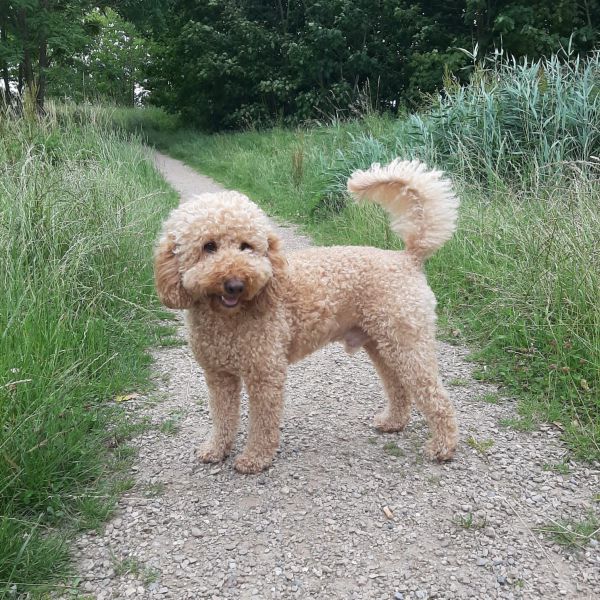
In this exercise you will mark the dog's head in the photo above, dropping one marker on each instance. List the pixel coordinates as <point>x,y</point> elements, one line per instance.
<point>218,247</point>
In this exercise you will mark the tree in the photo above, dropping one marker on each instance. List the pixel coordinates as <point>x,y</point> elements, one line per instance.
<point>108,66</point>
<point>534,28</point>
<point>35,35</point>
<point>228,63</point>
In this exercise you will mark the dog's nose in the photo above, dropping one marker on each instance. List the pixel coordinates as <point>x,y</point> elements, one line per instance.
<point>234,286</point>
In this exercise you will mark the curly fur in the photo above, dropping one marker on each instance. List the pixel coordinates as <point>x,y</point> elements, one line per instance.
<point>379,300</point>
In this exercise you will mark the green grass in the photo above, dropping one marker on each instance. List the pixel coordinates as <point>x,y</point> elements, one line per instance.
<point>469,521</point>
<point>560,467</point>
<point>172,424</point>
<point>392,449</point>
<point>574,533</point>
<point>458,382</point>
<point>491,398</point>
<point>153,490</point>
<point>79,210</point>
<point>133,566</point>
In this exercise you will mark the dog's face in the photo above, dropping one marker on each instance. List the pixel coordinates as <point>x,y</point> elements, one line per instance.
<point>218,247</point>
<point>230,267</point>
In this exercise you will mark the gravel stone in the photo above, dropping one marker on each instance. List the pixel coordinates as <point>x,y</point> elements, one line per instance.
<point>313,526</point>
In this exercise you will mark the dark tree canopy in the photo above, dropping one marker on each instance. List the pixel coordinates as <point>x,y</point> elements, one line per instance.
<point>227,63</point>
<point>230,63</point>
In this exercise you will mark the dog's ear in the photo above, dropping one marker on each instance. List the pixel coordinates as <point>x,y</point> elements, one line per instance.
<point>168,278</point>
<point>277,259</point>
<point>268,296</point>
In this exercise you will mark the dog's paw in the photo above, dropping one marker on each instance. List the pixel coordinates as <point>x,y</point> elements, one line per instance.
<point>248,464</point>
<point>386,424</point>
<point>207,453</point>
<point>440,449</point>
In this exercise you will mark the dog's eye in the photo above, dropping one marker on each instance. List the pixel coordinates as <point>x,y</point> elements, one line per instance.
<point>245,246</point>
<point>210,247</point>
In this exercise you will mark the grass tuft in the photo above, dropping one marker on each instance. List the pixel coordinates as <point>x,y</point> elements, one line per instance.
<point>574,533</point>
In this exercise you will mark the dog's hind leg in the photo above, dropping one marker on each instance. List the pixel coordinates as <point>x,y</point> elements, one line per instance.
<point>265,392</point>
<point>224,404</point>
<point>416,365</point>
<point>396,415</point>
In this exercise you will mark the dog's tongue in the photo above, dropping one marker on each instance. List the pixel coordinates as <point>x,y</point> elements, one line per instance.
<point>228,301</point>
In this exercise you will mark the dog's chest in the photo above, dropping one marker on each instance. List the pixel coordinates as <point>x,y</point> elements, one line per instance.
<point>230,345</point>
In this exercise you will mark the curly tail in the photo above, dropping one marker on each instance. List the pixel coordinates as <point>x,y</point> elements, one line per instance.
<point>422,204</point>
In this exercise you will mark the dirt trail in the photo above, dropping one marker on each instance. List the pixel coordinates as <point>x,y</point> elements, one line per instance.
<point>314,525</point>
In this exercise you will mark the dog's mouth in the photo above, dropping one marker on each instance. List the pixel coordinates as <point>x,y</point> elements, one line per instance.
<point>230,300</point>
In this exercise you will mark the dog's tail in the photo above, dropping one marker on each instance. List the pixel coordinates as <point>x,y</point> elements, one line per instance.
<point>421,203</point>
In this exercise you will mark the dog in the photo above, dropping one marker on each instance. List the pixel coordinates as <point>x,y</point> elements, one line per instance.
<point>251,310</point>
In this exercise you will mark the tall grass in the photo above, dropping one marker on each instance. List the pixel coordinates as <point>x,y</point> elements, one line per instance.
<point>79,208</point>
<point>520,281</point>
<point>523,122</point>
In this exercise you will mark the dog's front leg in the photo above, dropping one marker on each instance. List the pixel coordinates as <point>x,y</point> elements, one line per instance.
<point>224,403</point>
<point>265,393</point>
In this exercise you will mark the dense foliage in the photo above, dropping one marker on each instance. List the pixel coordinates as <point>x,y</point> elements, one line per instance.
<point>231,63</point>
<point>69,48</point>
<point>228,63</point>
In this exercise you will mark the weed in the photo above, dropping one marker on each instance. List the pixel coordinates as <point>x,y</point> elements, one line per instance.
<point>171,425</point>
<point>560,467</point>
<point>458,381</point>
<point>491,398</point>
<point>297,167</point>
<point>127,429</point>
<point>392,449</point>
<point>469,521</point>
<point>573,533</point>
<point>518,424</point>
<point>153,490</point>
<point>171,342</point>
<point>133,566</point>
<point>127,566</point>
<point>149,575</point>
<point>481,446</point>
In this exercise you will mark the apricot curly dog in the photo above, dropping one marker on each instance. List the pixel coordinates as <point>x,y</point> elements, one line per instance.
<point>251,311</point>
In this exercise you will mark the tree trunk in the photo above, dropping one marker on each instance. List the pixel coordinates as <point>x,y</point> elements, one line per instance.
<point>27,67</point>
<point>20,80</point>
<point>5,76</point>
<point>40,92</point>
<point>6,79</point>
<point>41,84</point>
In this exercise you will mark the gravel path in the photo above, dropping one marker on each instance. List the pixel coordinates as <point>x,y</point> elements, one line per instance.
<point>344,512</point>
